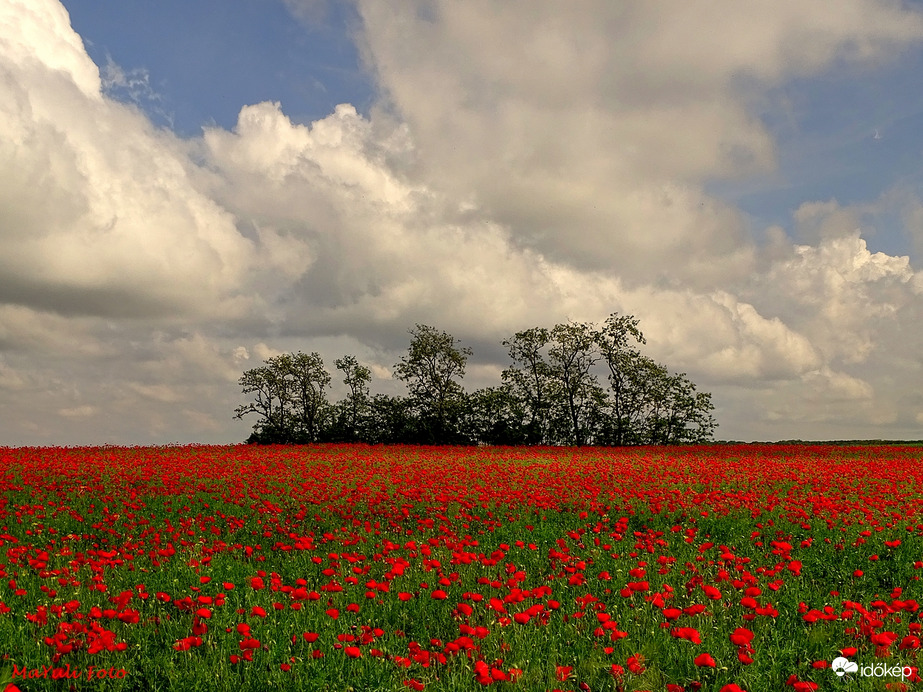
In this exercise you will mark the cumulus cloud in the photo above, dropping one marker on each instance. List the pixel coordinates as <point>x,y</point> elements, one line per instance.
<point>526,164</point>
<point>98,216</point>
<point>595,126</point>
<point>100,211</point>
<point>839,293</point>
<point>38,35</point>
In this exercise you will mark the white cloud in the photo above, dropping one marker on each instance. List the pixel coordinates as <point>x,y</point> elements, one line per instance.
<point>589,130</point>
<point>528,164</point>
<point>264,352</point>
<point>38,36</point>
<point>98,213</point>
<point>78,412</point>
<point>102,214</point>
<point>134,83</point>
<point>839,293</point>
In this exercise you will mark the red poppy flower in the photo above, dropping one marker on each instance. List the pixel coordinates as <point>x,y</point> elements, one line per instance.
<point>635,664</point>
<point>704,660</point>
<point>741,637</point>
<point>688,633</point>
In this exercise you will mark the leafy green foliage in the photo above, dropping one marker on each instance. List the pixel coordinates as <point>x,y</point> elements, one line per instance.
<point>432,367</point>
<point>290,398</point>
<point>574,384</point>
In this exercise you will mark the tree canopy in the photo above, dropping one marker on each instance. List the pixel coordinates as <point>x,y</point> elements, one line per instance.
<point>573,384</point>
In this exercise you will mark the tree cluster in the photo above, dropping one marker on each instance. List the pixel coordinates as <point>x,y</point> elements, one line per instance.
<point>574,384</point>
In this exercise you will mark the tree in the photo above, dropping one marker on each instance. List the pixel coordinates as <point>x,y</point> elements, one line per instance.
<point>494,416</point>
<point>636,394</point>
<point>290,398</point>
<point>625,365</point>
<point>354,408</point>
<point>308,380</point>
<point>680,414</point>
<point>432,367</point>
<point>647,404</point>
<point>550,394</point>
<point>530,380</point>
<point>571,359</point>
<point>390,421</point>
<point>272,401</point>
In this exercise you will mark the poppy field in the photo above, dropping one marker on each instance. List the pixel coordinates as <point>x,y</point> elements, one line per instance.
<point>351,567</point>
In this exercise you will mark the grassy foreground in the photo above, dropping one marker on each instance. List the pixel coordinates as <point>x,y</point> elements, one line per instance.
<point>360,568</point>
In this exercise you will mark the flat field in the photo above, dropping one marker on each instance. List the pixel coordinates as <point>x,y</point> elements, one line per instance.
<point>360,568</point>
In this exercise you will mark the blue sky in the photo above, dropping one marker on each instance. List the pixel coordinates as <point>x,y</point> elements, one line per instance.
<point>187,188</point>
<point>845,134</point>
<point>206,59</point>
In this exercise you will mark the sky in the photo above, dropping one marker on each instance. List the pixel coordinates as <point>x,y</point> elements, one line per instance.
<point>187,189</point>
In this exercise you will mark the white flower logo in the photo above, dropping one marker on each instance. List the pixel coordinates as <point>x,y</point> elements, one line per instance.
<point>841,666</point>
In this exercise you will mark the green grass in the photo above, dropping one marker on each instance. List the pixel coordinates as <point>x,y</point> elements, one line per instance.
<point>192,512</point>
